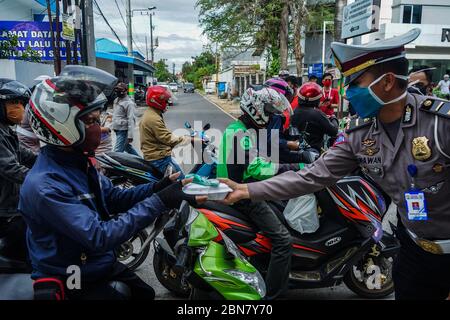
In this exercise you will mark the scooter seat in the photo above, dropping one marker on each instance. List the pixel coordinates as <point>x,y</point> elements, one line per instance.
<point>17,286</point>
<point>215,206</point>
<point>135,162</point>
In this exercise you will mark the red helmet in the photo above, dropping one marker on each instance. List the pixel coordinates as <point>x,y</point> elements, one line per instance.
<point>309,92</point>
<point>158,97</point>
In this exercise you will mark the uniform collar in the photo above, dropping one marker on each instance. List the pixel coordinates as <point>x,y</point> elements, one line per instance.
<point>409,117</point>
<point>64,158</point>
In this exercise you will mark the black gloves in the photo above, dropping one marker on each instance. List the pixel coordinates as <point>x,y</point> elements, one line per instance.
<point>173,195</point>
<point>308,156</point>
<point>162,184</point>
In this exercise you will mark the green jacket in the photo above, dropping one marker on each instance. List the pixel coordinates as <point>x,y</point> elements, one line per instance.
<point>239,158</point>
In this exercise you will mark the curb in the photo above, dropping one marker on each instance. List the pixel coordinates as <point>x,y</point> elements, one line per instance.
<point>218,106</point>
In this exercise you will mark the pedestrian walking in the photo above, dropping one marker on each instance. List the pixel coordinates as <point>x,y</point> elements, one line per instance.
<point>123,120</point>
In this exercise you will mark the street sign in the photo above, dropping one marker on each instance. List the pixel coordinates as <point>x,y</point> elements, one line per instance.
<point>360,17</point>
<point>68,30</point>
<point>316,70</point>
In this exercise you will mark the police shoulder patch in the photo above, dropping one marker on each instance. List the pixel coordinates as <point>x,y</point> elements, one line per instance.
<point>359,123</point>
<point>436,106</point>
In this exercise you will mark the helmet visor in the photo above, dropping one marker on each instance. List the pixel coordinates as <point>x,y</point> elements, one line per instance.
<point>280,104</point>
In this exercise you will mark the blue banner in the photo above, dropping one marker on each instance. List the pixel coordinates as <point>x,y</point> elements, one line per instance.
<point>316,70</point>
<point>35,35</point>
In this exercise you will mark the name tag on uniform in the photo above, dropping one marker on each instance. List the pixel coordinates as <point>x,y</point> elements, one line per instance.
<point>416,205</point>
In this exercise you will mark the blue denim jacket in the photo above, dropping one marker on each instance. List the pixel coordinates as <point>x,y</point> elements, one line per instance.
<point>63,212</point>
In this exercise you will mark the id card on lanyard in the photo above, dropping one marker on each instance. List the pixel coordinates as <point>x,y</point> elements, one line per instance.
<point>416,205</point>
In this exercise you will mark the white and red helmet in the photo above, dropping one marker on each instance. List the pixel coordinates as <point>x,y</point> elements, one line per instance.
<point>58,103</point>
<point>261,103</point>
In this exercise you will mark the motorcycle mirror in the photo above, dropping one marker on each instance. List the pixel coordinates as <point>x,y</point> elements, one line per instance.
<point>169,171</point>
<point>206,127</point>
<point>294,132</point>
<point>187,125</point>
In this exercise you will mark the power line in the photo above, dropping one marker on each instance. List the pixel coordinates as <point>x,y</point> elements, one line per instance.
<point>107,22</point>
<point>125,24</point>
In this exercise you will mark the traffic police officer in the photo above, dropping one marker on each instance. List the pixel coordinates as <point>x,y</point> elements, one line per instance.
<point>401,141</point>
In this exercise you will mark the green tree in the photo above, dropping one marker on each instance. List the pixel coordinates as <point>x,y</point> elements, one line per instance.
<point>242,24</point>
<point>162,72</point>
<point>275,25</point>
<point>202,66</point>
<point>8,49</point>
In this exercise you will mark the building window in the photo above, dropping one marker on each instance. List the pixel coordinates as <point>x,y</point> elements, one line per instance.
<point>412,14</point>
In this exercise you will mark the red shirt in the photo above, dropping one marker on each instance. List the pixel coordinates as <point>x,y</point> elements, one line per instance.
<point>329,98</point>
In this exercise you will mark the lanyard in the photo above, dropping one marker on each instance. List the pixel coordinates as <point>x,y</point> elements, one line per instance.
<point>329,93</point>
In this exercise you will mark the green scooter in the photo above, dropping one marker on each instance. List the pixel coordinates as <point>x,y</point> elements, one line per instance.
<point>196,265</point>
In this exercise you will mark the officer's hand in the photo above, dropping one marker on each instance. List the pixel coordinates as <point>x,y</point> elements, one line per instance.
<point>165,182</point>
<point>240,191</point>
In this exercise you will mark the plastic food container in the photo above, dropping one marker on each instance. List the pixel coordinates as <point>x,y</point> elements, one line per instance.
<point>213,193</point>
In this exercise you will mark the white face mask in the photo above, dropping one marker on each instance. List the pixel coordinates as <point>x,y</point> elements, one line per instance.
<point>372,93</point>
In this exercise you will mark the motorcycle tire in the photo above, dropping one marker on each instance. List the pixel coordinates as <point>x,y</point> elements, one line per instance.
<point>199,294</point>
<point>138,258</point>
<point>161,264</point>
<point>361,289</point>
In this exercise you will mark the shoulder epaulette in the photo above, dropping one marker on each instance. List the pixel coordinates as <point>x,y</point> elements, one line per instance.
<point>358,123</point>
<point>436,106</point>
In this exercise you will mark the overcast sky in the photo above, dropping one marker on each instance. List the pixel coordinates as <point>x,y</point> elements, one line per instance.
<point>176,26</point>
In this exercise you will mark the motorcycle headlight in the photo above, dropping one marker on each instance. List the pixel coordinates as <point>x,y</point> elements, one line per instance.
<point>253,279</point>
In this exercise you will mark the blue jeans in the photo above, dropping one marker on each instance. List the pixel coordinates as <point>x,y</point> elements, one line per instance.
<point>161,165</point>
<point>122,144</point>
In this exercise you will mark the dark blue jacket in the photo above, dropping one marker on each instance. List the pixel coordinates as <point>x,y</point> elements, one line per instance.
<point>62,202</point>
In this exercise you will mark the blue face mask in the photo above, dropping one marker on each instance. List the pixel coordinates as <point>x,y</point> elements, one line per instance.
<point>365,102</point>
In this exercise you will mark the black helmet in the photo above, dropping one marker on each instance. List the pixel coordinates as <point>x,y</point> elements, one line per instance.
<point>12,90</point>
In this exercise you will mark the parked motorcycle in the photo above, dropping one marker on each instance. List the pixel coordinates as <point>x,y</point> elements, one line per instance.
<point>348,247</point>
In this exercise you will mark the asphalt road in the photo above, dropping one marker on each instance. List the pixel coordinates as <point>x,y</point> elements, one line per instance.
<point>193,107</point>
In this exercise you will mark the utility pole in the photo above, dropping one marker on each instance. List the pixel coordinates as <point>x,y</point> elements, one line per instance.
<point>57,54</point>
<point>173,70</point>
<point>149,13</point>
<point>130,49</point>
<point>49,12</point>
<point>67,42</point>
<point>152,48</point>
<point>146,49</point>
<point>88,33</point>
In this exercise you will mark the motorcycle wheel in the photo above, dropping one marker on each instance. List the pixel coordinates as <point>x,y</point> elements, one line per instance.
<point>169,279</point>
<point>129,252</point>
<point>199,294</point>
<point>371,278</point>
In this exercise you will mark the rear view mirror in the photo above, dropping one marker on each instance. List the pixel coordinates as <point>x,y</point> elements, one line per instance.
<point>187,125</point>
<point>294,132</point>
<point>206,127</point>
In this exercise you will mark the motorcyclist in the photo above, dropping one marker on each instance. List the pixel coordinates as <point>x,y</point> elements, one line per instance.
<point>288,146</point>
<point>308,118</point>
<point>75,216</point>
<point>239,160</point>
<point>15,161</point>
<point>421,80</point>
<point>157,142</point>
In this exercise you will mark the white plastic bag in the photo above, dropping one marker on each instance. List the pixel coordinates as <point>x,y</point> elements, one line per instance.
<point>301,214</point>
